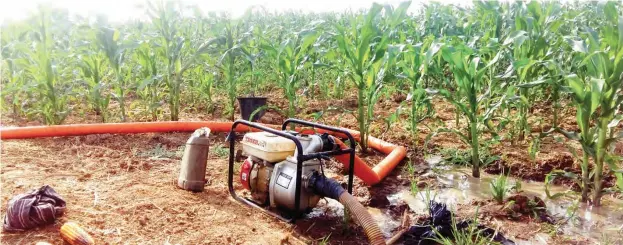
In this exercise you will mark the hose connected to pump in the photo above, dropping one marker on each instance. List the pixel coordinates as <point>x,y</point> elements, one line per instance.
<point>361,216</point>
<point>323,186</point>
<point>317,182</point>
<point>370,176</point>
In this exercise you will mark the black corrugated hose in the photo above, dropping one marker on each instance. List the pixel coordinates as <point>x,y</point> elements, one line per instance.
<point>323,186</point>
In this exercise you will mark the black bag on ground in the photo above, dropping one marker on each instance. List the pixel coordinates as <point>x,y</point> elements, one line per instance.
<point>440,220</point>
<point>39,207</point>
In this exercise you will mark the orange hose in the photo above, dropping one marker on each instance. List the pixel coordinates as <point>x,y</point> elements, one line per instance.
<point>370,176</point>
<point>114,128</point>
<point>362,170</point>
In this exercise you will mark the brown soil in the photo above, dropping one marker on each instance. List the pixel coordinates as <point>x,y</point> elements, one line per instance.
<point>537,171</point>
<point>521,207</point>
<point>494,216</point>
<point>121,189</point>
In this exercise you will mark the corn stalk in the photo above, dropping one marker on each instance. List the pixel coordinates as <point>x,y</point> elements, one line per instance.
<point>470,95</point>
<point>52,104</point>
<point>292,58</point>
<point>363,47</point>
<point>179,51</point>
<point>415,66</point>
<point>598,94</point>
<point>110,43</point>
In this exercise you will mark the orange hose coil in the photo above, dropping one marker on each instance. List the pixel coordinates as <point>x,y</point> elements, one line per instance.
<point>370,176</point>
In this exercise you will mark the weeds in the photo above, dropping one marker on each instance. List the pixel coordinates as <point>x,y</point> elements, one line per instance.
<point>324,240</point>
<point>427,194</point>
<point>470,235</point>
<point>534,148</point>
<point>160,151</point>
<point>463,157</point>
<point>499,188</point>
<point>220,151</point>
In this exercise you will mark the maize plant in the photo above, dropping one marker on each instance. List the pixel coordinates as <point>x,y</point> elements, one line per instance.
<point>598,94</point>
<point>179,51</point>
<point>110,42</point>
<point>414,66</point>
<point>150,86</point>
<point>15,90</point>
<point>43,69</point>
<point>470,95</point>
<point>530,49</point>
<point>164,15</point>
<point>291,57</point>
<point>255,55</point>
<point>91,63</point>
<point>529,59</point>
<point>229,47</point>
<point>205,85</point>
<point>364,45</point>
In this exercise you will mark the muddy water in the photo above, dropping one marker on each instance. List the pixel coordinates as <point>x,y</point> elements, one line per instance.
<point>458,187</point>
<point>333,208</point>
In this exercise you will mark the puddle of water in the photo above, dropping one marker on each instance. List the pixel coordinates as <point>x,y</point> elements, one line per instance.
<point>327,207</point>
<point>458,187</point>
<point>538,239</point>
<point>386,222</point>
<point>333,208</point>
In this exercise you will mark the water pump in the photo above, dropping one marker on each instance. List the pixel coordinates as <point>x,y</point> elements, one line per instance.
<point>270,169</point>
<point>284,171</point>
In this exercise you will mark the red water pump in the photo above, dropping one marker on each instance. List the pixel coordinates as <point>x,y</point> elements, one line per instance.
<point>284,169</point>
<point>269,170</point>
<point>284,172</point>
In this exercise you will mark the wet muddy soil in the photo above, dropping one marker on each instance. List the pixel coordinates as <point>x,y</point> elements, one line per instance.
<point>550,221</point>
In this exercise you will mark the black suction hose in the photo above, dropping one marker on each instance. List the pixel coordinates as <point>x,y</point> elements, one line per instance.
<point>323,186</point>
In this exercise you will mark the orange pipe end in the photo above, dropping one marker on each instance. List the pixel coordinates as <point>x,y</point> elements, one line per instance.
<point>362,170</point>
<point>370,176</point>
<point>383,168</point>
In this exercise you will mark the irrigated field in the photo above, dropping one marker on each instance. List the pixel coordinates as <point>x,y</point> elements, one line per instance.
<point>533,90</point>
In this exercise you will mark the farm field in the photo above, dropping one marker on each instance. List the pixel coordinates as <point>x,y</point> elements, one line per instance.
<point>496,103</point>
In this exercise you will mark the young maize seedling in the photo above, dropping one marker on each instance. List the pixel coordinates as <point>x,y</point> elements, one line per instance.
<point>499,188</point>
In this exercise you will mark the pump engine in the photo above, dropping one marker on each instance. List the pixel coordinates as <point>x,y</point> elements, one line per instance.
<point>270,169</point>
<point>284,171</point>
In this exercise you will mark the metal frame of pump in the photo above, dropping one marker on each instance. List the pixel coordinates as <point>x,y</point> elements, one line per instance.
<point>300,158</point>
